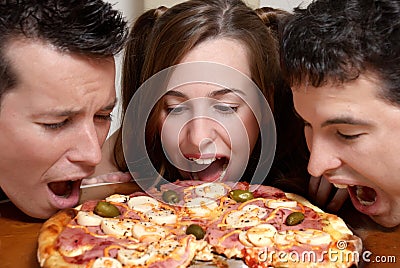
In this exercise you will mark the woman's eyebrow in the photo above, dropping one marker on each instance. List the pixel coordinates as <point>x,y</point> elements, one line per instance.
<point>226,91</point>
<point>175,93</point>
<point>215,93</point>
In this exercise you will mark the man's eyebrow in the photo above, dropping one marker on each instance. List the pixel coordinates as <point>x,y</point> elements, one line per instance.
<point>109,106</point>
<point>71,112</point>
<point>58,113</point>
<point>345,120</point>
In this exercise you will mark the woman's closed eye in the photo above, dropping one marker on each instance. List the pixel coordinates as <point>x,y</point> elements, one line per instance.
<point>225,108</point>
<point>176,109</point>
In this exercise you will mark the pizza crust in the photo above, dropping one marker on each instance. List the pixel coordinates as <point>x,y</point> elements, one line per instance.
<point>47,254</point>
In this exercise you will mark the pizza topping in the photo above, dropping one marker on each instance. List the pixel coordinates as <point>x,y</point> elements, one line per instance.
<point>117,198</point>
<point>261,235</point>
<point>272,203</point>
<point>135,256</point>
<point>210,190</point>
<point>195,230</point>
<point>255,210</point>
<point>294,218</point>
<point>241,195</point>
<point>86,218</point>
<point>148,232</point>
<point>162,216</point>
<point>120,227</point>
<point>284,237</point>
<point>106,209</point>
<point>313,237</point>
<point>240,219</point>
<point>106,262</point>
<point>170,196</point>
<point>201,206</point>
<point>142,203</point>
<point>244,239</point>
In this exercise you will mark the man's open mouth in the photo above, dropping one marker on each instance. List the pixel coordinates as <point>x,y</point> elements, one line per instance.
<point>366,196</point>
<point>61,188</point>
<point>215,170</point>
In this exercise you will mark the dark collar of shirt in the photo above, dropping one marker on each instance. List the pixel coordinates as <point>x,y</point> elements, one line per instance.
<point>3,196</point>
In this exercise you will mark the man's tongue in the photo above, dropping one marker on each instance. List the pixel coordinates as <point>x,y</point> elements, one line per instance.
<point>366,195</point>
<point>62,188</point>
<point>211,173</point>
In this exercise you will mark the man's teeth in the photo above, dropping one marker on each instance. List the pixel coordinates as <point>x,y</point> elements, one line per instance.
<point>341,186</point>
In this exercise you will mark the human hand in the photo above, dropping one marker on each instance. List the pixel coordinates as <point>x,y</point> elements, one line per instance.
<point>109,177</point>
<point>322,192</point>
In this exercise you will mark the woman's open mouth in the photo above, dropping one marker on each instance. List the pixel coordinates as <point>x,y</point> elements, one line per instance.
<point>215,169</point>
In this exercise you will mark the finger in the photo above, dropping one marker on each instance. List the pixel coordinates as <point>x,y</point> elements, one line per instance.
<point>325,188</point>
<point>313,187</point>
<point>89,181</point>
<point>338,200</point>
<point>117,177</point>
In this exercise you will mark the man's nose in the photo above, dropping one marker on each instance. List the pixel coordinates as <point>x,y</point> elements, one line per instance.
<point>87,148</point>
<point>323,157</point>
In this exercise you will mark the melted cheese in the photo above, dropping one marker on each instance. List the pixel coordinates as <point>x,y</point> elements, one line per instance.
<point>106,262</point>
<point>261,235</point>
<point>135,257</point>
<point>88,218</point>
<point>118,227</point>
<point>143,203</point>
<point>210,190</point>
<point>118,198</point>
<point>146,231</point>
<point>201,207</point>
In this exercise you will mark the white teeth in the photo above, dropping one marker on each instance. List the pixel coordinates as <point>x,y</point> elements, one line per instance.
<point>203,161</point>
<point>365,203</point>
<point>340,186</point>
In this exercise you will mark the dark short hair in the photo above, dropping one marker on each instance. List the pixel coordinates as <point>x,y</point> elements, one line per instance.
<point>334,41</point>
<point>87,27</point>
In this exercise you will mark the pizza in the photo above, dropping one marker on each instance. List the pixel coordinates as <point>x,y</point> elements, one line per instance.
<point>187,222</point>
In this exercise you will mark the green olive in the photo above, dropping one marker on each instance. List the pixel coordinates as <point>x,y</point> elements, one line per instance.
<point>106,209</point>
<point>241,195</point>
<point>195,230</point>
<point>170,196</point>
<point>294,218</point>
